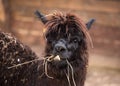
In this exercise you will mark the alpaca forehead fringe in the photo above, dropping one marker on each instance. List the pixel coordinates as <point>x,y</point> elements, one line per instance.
<point>58,18</point>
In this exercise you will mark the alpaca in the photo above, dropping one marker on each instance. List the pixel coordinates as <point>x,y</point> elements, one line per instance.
<point>66,44</point>
<point>65,60</point>
<point>13,52</point>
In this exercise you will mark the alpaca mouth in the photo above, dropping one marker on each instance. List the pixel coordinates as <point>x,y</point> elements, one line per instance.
<point>57,61</point>
<point>54,58</point>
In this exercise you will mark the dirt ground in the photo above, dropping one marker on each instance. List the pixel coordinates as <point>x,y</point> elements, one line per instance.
<point>97,75</point>
<point>103,77</point>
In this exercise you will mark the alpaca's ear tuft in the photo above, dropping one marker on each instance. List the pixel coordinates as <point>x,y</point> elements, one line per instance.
<point>41,16</point>
<point>89,23</point>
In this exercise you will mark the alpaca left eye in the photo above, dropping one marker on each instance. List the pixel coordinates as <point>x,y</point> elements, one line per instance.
<point>75,40</point>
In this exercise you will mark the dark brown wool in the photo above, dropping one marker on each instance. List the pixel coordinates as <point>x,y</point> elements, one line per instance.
<point>80,64</point>
<point>13,52</point>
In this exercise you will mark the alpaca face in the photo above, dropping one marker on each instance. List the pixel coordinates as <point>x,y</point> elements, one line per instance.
<point>66,37</point>
<point>64,43</point>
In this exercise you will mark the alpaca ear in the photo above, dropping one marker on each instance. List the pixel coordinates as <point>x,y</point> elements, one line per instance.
<point>41,16</point>
<point>89,23</point>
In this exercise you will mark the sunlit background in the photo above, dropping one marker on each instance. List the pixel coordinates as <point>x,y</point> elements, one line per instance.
<point>17,17</point>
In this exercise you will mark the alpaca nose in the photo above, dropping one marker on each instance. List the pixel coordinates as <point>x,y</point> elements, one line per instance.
<point>60,48</point>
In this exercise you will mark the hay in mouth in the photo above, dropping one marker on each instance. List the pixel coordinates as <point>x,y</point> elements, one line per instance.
<point>52,57</point>
<point>68,73</point>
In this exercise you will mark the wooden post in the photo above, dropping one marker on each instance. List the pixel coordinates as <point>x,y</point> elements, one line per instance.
<point>5,15</point>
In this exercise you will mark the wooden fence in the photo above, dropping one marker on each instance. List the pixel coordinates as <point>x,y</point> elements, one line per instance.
<point>17,17</point>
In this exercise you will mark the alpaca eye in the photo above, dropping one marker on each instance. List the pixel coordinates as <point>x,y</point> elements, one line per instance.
<point>49,41</point>
<point>75,40</point>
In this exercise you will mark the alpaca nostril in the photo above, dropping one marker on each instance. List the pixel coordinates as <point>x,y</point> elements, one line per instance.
<point>60,48</point>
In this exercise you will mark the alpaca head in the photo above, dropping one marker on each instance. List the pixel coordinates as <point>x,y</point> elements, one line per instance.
<point>66,36</point>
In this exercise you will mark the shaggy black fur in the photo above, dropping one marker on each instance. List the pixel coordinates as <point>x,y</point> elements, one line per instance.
<point>69,33</point>
<point>13,52</point>
<point>64,30</point>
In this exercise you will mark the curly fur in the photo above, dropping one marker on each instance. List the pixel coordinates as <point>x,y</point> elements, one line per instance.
<point>13,52</point>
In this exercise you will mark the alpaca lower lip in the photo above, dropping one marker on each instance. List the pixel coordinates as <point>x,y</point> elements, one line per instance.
<point>59,57</point>
<point>56,58</point>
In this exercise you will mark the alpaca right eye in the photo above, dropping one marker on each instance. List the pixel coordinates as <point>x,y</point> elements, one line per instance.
<point>49,41</point>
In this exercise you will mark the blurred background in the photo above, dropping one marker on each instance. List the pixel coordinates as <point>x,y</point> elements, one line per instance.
<point>17,17</point>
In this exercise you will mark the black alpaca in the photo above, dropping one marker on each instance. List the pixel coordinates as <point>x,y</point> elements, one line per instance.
<point>65,36</point>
